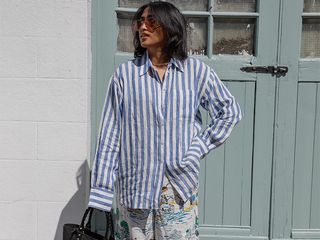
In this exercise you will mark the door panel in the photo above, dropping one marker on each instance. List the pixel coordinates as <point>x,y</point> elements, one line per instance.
<point>228,169</point>
<point>306,166</point>
<point>295,196</point>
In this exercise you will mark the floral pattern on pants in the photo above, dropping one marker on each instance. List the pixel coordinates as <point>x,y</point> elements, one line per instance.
<point>173,220</point>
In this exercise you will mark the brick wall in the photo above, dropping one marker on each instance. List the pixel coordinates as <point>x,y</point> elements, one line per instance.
<point>45,62</point>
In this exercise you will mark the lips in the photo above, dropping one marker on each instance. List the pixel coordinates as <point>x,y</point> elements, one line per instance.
<point>143,35</point>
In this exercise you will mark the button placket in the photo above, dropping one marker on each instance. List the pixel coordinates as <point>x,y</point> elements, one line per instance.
<point>160,117</point>
<point>163,90</point>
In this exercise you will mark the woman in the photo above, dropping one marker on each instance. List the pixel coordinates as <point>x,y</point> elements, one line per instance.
<point>150,141</point>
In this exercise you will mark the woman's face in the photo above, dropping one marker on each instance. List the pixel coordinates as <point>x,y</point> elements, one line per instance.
<point>151,34</point>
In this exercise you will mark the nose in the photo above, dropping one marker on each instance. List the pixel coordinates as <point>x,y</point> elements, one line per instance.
<point>143,26</point>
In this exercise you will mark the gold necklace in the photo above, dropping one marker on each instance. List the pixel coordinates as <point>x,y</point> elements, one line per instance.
<point>160,64</point>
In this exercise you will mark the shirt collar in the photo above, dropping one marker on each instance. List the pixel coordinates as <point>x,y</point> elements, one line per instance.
<point>177,63</point>
<point>146,63</point>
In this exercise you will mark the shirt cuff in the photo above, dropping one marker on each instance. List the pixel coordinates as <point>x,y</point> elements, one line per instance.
<point>100,199</point>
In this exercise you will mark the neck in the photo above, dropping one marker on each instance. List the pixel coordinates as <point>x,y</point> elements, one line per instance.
<point>157,56</point>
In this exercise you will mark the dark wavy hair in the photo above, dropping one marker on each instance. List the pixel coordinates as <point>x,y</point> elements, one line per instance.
<point>174,24</point>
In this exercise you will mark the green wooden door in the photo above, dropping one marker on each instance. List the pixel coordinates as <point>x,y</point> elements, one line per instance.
<point>295,210</point>
<point>253,186</point>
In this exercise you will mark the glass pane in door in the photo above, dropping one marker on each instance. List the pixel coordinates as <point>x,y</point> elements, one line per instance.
<point>125,35</point>
<point>197,35</point>
<point>132,3</point>
<point>234,6</point>
<point>311,6</point>
<point>233,36</point>
<point>310,42</point>
<point>194,5</point>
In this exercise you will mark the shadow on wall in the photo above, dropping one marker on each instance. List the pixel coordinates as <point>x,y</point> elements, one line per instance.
<point>74,209</point>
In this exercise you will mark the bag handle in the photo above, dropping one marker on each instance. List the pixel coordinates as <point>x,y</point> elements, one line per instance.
<point>109,226</point>
<point>109,222</point>
<point>88,210</point>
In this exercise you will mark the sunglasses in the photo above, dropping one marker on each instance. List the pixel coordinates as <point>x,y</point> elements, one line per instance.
<point>150,23</point>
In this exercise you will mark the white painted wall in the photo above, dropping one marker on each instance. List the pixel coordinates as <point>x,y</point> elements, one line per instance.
<point>45,72</point>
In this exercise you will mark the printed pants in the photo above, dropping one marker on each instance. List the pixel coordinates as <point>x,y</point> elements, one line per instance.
<point>173,220</point>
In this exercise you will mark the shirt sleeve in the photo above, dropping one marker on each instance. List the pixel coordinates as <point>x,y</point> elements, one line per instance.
<point>105,164</point>
<point>224,112</point>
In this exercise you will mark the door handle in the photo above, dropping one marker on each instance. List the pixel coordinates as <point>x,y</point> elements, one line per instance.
<point>273,70</point>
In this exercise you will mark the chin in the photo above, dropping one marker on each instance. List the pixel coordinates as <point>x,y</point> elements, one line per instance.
<point>145,45</point>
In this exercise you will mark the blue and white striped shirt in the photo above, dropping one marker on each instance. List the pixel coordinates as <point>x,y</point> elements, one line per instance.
<point>149,127</point>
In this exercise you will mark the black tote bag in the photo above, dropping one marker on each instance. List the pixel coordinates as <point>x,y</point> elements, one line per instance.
<point>83,232</point>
